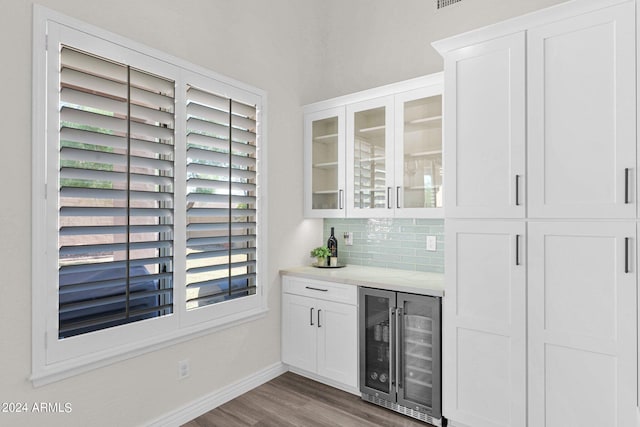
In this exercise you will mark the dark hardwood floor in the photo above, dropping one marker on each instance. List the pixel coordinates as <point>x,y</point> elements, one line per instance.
<point>292,400</point>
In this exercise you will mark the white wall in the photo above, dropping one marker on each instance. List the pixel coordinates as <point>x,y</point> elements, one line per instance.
<point>269,45</point>
<point>370,43</point>
<point>298,51</point>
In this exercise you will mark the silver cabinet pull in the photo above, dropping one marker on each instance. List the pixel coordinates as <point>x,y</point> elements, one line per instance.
<point>341,199</point>
<point>517,249</point>
<point>319,325</point>
<point>392,350</point>
<point>399,343</point>
<point>398,197</point>
<point>517,190</point>
<point>311,316</point>
<point>311,288</point>
<point>388,197</point>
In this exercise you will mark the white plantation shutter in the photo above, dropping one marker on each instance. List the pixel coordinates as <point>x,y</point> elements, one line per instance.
<point>221,199</point>
<point>116,200</point>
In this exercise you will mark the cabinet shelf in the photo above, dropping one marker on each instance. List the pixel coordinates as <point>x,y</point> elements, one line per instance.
<point>424,153</point>
<point>325,138</point>
<point>424,120</point>
<point>371,129</point>
<point>326,192</point>
<point>326,165</point>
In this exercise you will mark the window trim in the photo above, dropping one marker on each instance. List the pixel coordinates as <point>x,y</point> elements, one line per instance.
<point>50,363</point>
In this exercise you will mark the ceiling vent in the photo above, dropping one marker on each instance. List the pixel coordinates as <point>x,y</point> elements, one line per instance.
<point>445,3</point>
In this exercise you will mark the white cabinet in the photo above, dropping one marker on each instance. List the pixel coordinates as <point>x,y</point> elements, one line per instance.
<point>370,158</point>
<point>484,323</point>
<point>324,151</point>
<point>320,330</point>
<point>417,153</point>
<point>485,129</point>
<point>389,158</point>
<point>582,121</point>
<point>577,302</point>
<point>582,324</point>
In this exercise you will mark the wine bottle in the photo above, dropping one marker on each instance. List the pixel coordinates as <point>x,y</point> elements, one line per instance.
<point>332,244</point>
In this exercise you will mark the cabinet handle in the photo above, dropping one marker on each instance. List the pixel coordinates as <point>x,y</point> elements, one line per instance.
<point>311,316</point>
<point>517,190</point>
<point>626,185</point>
<point>517,249</point>
<point>399,338</point>
<point>311,288</point>
<point>392,347</point>
<point>626,255</point>
<point>388,197</point>
<point>398,197</point>
<point>341,199</point>
<point>319,325</point>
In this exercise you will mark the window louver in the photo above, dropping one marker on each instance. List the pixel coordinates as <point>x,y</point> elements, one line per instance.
<point>221,199</point>
<point>115,194</point>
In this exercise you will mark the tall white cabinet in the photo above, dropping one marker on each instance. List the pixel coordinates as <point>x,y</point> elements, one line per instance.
<point>582,328</point>
<point>541,294</point>
<point>485,129</point>
<point>582,127</point>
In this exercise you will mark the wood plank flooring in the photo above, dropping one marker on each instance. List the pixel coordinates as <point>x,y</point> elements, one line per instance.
<point>291,400</point>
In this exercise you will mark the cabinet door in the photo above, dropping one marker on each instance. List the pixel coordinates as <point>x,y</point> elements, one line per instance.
<point>299,317</point>
<point>484,324</point>
<point>338,342</point>
<point>370,158</point>
<point>582,324</point>
<point>418,153</point>
<point>324,164</point>
<point>582,116</point>
<point>485,129</point>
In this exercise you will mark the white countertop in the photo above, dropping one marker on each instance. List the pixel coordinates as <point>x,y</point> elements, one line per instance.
<point>416,282</point>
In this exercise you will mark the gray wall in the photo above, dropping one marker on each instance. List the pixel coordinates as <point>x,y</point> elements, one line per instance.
<point>299,51</point>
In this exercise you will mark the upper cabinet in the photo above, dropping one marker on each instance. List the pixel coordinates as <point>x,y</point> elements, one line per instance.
<point>324,163</point>
<point>370,157</point>
<point>388,161</point>
<point>485,129</point>
<point>582,122</point>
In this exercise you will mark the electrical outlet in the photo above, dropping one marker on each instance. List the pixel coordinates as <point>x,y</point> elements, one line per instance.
<point>183,369</point>
<point>348,238</point>
<point>431,243</point>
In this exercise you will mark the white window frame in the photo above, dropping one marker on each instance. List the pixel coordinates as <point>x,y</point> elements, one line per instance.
<point>54,359</point>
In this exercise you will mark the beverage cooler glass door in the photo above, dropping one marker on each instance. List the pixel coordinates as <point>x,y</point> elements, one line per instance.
<point>377,349</point>
<point>418,367</point>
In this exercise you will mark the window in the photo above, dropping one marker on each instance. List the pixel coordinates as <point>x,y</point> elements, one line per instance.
<point>147,219</point>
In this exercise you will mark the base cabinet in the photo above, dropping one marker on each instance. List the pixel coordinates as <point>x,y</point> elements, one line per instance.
<point>320,329</point>
<point>582,324</point>
<point>484,324</point>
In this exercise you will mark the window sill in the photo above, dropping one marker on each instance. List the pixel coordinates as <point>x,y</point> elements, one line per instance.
<point>51,373</point>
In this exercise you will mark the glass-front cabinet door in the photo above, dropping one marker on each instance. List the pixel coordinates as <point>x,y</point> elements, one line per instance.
<point>419,353</point>
<point>370,158</point>
<point>325,165</point>
<point>418,153</point>
<point>377,350</point>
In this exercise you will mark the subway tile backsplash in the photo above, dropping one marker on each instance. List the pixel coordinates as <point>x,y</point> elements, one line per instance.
<point>390,242</point>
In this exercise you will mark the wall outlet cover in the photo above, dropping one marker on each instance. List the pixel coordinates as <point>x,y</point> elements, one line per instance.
<point>431,243</point>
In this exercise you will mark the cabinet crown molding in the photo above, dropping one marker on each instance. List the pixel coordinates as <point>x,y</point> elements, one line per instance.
<point>522,23</point>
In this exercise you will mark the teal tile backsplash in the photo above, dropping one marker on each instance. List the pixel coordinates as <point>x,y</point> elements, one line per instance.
<point>390,242</point>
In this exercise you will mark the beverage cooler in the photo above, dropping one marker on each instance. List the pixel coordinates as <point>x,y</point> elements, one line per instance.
<point>400,357</point>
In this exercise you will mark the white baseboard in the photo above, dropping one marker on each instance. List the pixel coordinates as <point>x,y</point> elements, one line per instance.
<point>323,380</point>
<point>213,400</point>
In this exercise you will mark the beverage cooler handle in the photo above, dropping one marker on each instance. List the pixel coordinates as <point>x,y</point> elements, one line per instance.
<point>392,342</point>
<point>399,338</point>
